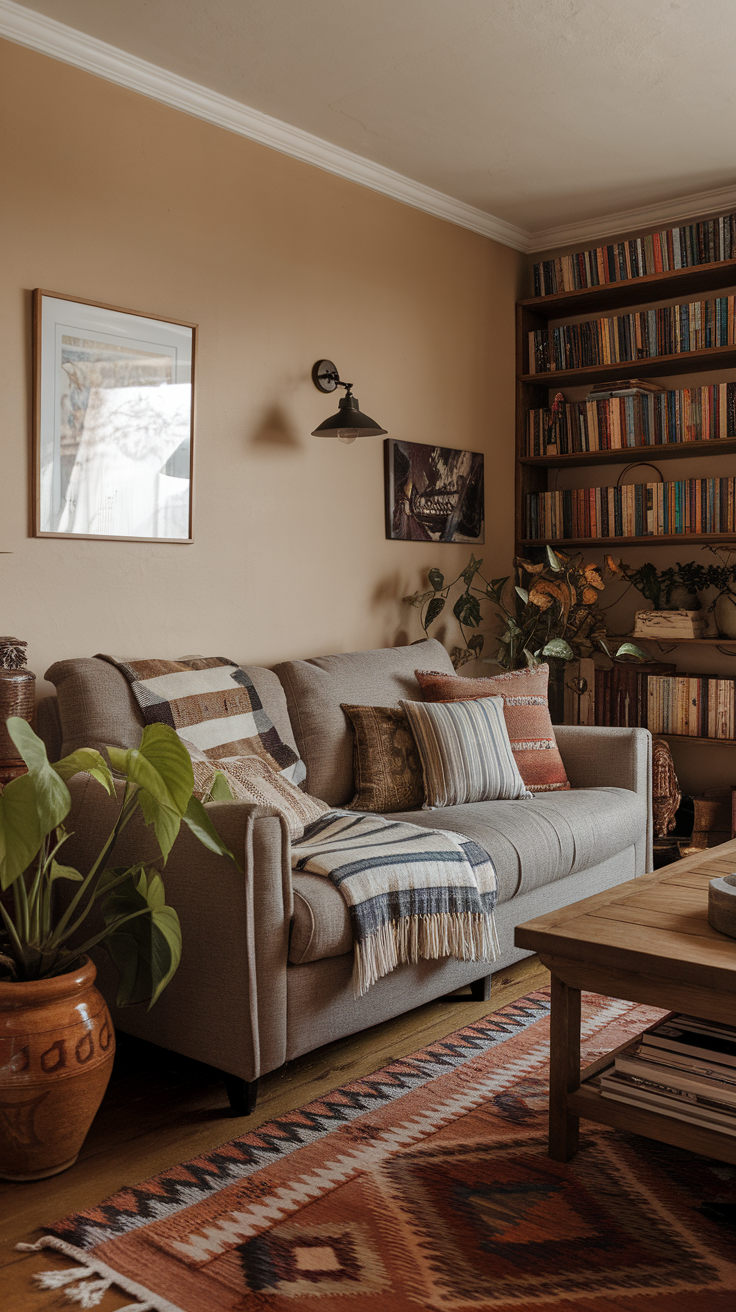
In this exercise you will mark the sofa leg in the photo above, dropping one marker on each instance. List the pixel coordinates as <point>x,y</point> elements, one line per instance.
<point>480,989</point>
<point>242,1095</point>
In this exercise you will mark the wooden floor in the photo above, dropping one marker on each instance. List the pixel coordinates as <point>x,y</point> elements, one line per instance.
<point>161,1109</point>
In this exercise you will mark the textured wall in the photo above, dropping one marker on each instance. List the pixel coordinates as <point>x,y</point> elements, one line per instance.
<point>114,197</point>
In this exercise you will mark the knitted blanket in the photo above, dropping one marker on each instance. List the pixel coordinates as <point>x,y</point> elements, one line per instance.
<point>412,892</point>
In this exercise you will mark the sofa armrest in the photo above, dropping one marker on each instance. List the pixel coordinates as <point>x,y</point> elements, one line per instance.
<point>226,1004</point>
<point>609,758</point>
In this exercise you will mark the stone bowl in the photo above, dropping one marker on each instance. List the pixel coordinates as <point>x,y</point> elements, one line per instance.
<point>722,904</point>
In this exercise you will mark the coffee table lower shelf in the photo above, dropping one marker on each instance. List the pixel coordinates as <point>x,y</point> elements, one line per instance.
<point>588,1102</point>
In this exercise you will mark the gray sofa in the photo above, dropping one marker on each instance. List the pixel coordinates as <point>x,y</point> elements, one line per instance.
<point>266,967</point>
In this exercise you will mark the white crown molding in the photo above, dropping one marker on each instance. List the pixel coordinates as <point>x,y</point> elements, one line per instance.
<point>664,214</point>
<point>28,28</point>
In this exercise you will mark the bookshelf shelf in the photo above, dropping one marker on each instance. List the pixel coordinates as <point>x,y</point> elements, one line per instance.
<point>688,738</point>
<point>677,283</point>
<point>650,540</point>
<point>685,362</point>
<point>634,454</point>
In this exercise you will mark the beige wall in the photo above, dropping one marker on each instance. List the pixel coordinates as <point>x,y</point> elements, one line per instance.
<point>114,197</point>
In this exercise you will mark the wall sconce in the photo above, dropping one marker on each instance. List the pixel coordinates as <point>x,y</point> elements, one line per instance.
<point>349,422</point>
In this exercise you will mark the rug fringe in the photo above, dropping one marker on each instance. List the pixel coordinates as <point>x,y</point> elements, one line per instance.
<point>78,1285</point>
<point>466,935</point>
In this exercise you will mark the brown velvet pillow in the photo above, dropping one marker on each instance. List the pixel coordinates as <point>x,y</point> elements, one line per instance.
<point>526,713</point>
<point>388,772</point>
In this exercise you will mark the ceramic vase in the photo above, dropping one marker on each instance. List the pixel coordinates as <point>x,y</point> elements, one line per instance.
<point>56,1049</point>
<point>725,614</point>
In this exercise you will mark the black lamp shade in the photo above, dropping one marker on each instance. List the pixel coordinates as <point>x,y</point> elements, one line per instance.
<point>349,422</point>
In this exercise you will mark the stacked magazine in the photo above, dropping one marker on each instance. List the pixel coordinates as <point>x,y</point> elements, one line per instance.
<point>682,1067</point>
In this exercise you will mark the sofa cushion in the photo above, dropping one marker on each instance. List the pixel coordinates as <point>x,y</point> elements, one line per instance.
<point>531,844</point>
<point>316,688</point>
<point>97,706</point>
<point>387,769</point>
<point>526,711</point>
<point>465,751</point>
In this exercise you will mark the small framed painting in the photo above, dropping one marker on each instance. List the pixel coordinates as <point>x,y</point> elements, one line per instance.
<point>433,493</point>
<point>113,409</point>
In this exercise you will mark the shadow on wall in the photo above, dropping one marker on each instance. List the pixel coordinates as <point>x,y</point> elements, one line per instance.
<point>276,430</point>
<point>387,599</point>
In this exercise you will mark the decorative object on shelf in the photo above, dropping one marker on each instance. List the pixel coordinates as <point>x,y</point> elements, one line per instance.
<point>433,493</point>
<point>723,577</point>
<point>349,422</point>
<point>712,819</point>
<point>666,795</point>
<point>669,624</point>
<point>556,616</point>
<point>113,418</point>
<point>722,905</point>
<point>40,972</point>
<point>17,697</point>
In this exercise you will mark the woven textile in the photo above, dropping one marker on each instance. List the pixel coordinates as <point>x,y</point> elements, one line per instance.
<point>211,702</point>
<point>526,711</point>
<point>386,765</point>
<point>412,893</point>
<point>427,1185</point>
<point>251,779</point>
<point>465,752</point>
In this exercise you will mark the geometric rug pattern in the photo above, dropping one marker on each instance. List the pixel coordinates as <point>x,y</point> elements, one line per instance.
<point>428,1185</point>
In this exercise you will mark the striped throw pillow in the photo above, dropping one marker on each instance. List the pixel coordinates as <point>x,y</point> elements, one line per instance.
<point>465,751</point>
<point>524,694</point>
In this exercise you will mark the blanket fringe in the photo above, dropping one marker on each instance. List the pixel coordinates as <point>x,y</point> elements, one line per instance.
<point>80,1287</point>
<point>469,936</point>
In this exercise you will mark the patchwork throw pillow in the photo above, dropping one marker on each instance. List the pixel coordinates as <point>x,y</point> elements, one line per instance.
<point>211,702</point>
<point>251,779</point>
<point>465,751</point>
<point>386,765</point>
<point>524,694</point>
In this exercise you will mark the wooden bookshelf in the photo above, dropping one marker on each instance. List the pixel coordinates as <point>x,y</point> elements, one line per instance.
<point>533,389</point>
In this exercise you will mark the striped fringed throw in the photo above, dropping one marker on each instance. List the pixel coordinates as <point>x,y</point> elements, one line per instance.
<point>211,702</point>
<point>412,892</point>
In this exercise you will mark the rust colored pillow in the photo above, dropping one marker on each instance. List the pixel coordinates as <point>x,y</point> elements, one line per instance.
<point>526,713</point>
<point>386,765</point>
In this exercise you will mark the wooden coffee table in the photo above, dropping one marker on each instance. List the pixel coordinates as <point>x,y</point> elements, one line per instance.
<point>647,941</point>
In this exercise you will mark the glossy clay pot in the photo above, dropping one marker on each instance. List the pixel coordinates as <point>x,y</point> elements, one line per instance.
<point>56,1049</point>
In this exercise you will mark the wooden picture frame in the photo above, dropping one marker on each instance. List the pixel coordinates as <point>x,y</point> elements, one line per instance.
<point>113,422</point>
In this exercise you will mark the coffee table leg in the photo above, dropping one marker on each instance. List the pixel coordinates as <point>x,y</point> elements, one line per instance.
<point>564,1070</point>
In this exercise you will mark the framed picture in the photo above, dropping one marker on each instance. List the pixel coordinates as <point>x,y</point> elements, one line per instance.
<point>433,493</point>
<point>113,409</point>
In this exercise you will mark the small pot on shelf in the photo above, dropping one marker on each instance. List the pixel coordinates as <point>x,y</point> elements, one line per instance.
<point>725,614</point>
<point>57,1045</point>
<point>17,697</point>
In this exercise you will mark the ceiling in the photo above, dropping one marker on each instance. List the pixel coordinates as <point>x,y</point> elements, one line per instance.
<point>553,116</point>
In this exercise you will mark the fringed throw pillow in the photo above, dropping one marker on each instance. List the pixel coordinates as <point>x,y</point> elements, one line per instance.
<point>465,752</point>
<point>251,779</point>
<point>526,711</point>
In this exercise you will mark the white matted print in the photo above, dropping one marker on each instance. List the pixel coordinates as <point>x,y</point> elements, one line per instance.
<point>113,410</point>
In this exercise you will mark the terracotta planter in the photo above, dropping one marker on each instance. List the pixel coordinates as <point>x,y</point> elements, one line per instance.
<point>56,1049</point>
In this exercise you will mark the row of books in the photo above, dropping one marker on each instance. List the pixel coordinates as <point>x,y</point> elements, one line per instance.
<point>652,697</point>
<point>706,242</point>
<point>641,335</point>
<point>692,505</point>
<point>691,414</point>
<point>682,1067</point>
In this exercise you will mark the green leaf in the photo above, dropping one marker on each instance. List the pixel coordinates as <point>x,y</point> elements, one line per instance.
<point>52,797</point>
<point>220,790</point>
<point>200,824</point>
<point>522,592</point>
<point>58,871</point>
<point>165,820</point>
<point>559,648</point>
<point>146,950</point>
<point>162,769</point>
<point>436,579</point>
<point>435,608</point>
<point>554,561</point>
<point>631,649</point>
<point>471,569</point>
<point>476,643</point>
<point>467,610</point>
<point>21,833</point>
<point>86,761</point>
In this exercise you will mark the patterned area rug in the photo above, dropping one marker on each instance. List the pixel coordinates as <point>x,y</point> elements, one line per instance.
<point>426,1185</point>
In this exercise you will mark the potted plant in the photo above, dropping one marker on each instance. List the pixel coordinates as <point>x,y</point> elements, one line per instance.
<point>554,614</point>
<point>722,577</point>
<point>56,1037</point>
